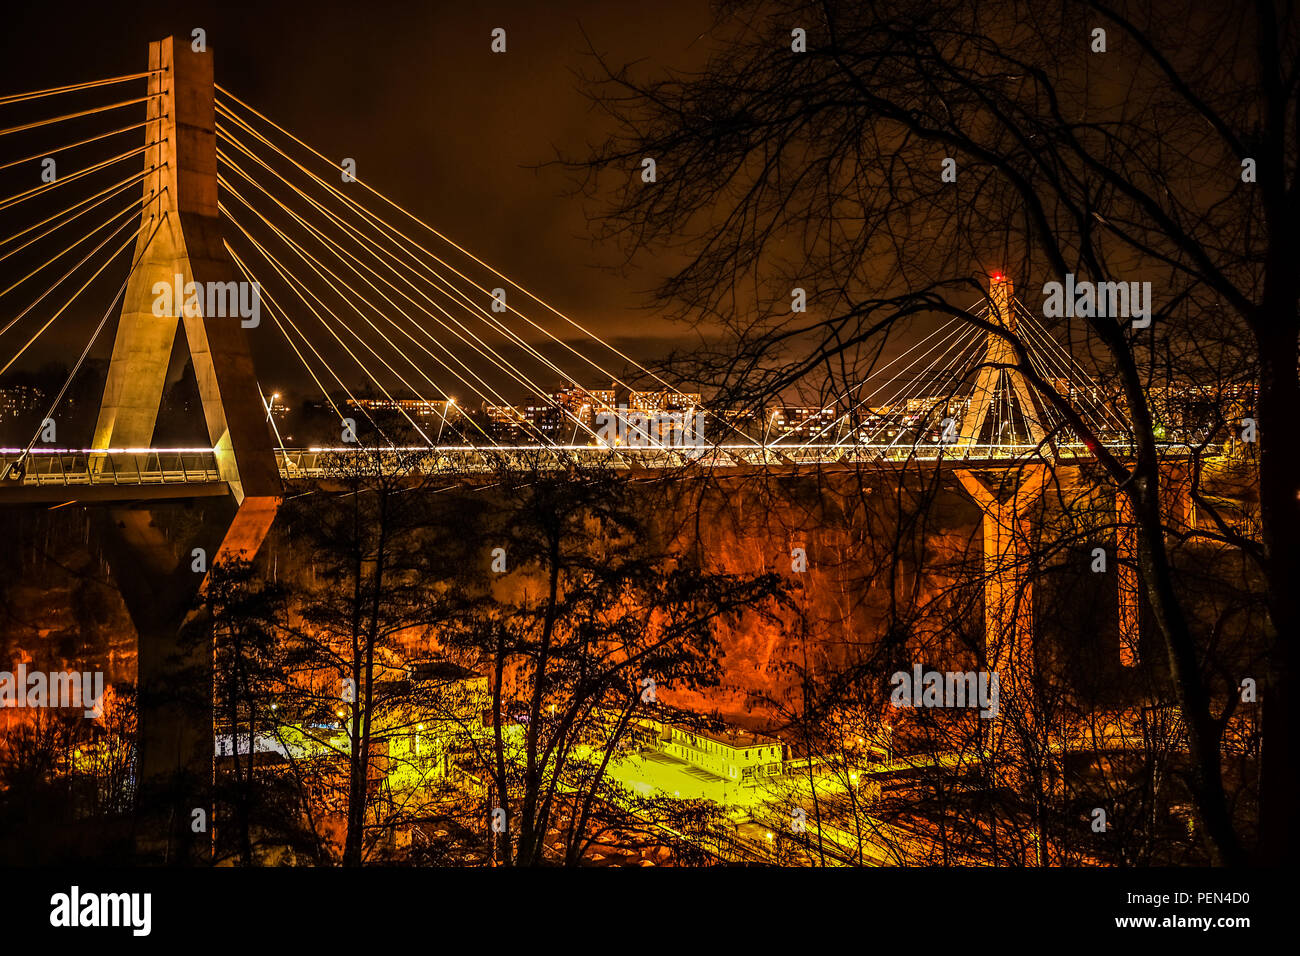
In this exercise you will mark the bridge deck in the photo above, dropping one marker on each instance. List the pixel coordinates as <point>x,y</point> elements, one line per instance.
<point>139,473</point>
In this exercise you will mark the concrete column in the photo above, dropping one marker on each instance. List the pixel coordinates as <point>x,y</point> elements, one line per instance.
<point>175,730</point>
<point>998,358</point>
<point>1008,593</point>
<point>186,247</point>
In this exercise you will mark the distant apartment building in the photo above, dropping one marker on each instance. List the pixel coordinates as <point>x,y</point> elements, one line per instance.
<point>566,417</point>
<point>1187,410</point>
<point>507,424</point>
<point>548,423</point>
<point>417,419</point>
<point>737,421</point>
<point>574,415</point>
<point>537,423</point>
<point>803,423</point>
<point>584,402</point>
<point>577,411</point>
<point>17,401</point>
<point>665,400</point>
<point>419,409</point>
<point>934,406</point>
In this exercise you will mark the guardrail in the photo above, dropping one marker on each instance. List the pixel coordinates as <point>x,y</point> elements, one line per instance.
<point>148,466</point>
<point>474,459</point>
<point>114,466</point>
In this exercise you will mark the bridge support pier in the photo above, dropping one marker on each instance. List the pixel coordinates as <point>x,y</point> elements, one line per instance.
<point>185,245</point>
<point>174,733</point>
<point>1179,514</point>
<point>175,736</point>
<point>1008,593</point>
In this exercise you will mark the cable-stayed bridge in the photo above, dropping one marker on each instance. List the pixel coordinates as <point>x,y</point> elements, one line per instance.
<point>360,294</point>
<point>344,289</point>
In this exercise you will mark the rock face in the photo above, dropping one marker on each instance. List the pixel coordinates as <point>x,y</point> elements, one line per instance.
<point>882,567</point>
<point>59,609</point>
<point>852,549</point>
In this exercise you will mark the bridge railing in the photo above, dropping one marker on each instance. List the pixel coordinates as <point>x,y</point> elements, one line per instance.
<point>144,466</point>
<point>936,451</point>
<point>472,459</point>
<point>130,466</point>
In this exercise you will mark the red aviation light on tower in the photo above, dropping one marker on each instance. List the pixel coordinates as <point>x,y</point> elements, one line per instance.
<point>1000,292</point>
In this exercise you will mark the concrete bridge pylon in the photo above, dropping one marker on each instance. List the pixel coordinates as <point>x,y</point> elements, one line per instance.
<point>182,244</point>
<point>186,247</point>
<point>999,379</point>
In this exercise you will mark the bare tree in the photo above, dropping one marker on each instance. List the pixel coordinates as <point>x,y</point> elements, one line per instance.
<point>371,599</point>
<point>1129,142</point>
<point>586,621</point>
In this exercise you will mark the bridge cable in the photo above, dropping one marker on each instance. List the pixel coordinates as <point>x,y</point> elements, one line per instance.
<point>372,218</point>
<point>335,249</point>
<point>84,352</point>
<point>71,116</point>
<point>1064,360</point>
<point>293,247</point>
<point>275,264</point>
<point>129,209</point>
<point>324,391</point>
<point>96,201</point>
<point>130,213</point>
<point>307,256</point>
<point>63,180</point>
<point>52,318</point>
<point>475,343</point>
<point>452,243</point>
<point>908,378</point>
<point>954,374</point>
<point>74,88</point>
<point>60,149</point>
<point>863,383</point>
<point>950,332</point>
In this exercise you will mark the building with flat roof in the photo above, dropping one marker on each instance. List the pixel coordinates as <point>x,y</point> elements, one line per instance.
<point>731,754</point>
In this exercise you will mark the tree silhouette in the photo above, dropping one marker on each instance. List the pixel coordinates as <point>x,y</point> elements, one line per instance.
<point>1161,149</point>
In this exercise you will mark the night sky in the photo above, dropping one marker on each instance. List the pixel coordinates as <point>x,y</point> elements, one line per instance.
<point>434,119</point>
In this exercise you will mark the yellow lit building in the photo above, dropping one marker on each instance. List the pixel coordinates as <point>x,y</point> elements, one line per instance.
<point>733,755</point>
